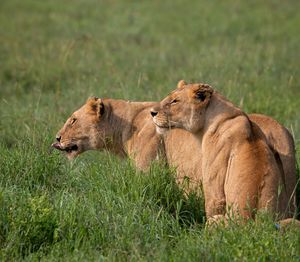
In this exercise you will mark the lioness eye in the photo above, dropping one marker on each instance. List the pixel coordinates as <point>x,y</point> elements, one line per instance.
<point>73,120</point>
<point>174,101</point>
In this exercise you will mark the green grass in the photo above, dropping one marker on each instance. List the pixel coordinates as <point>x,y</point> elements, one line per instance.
<point>54,54</point>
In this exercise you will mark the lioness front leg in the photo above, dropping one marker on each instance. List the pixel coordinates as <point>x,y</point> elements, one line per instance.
<point>215,210</point>
<point>214,196</point>
<point>216,220</point>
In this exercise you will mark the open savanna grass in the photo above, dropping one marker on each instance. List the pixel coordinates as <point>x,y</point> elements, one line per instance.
<point>55,54</point>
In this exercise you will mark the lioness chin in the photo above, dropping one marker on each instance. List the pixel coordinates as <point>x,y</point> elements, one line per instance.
<point>246,166</point>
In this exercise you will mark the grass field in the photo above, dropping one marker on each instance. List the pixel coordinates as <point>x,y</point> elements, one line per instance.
<point>55,54</point>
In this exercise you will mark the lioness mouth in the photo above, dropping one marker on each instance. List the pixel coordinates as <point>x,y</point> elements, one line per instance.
<point>68,149</point>
<point>71,148</point>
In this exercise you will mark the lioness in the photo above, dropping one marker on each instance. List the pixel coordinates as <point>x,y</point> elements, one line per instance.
<point>126,129</point>
<point>245,166</point>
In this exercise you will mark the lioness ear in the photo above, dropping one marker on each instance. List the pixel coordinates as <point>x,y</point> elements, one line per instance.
<point>96,105</point>
<point>100,110</point>
<point>181,84</point>
<point>203,92</point>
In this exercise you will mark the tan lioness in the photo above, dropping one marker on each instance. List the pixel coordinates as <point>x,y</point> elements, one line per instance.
<point>126,129</point>
<point>242,170</point>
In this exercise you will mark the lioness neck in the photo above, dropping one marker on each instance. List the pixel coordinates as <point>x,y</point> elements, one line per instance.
<point>121,118</point>
<point>218,111</point>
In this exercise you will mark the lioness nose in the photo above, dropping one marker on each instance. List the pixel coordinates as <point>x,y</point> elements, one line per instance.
<point>58,138</point>
<point>153,113</point>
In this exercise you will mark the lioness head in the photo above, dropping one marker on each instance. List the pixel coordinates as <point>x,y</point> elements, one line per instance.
<point>183,108</point>
<point>84,129</point>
